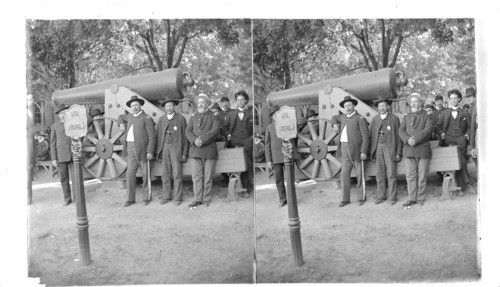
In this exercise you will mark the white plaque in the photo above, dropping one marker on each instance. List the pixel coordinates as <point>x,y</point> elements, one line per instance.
<point>285,122</point>
<point>75,121</point>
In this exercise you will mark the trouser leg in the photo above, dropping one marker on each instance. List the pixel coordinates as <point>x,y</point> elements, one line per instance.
<point>144,172</point>
<point>209,170</point>
<point>166,175</point>
<point>357,167</point>
<point>197,170</point>
<point>132,166</point>
<point>391,175</point>
<point>279,179</point>
<point>423,169</point>
<point>176,174</point>
<point>411,177</point>
<point>381,172</point>
<point>64,177</point>
<point>345,173</point>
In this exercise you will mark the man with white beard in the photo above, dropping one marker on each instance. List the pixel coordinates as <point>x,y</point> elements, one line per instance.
<point>415,132</point>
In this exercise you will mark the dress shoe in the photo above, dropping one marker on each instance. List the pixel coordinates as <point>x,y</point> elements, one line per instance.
<point>128,203</point>
<point>281,204</point>
<point>178,202</point>
<point>409,203</point>
<point>379,201</point>
<point>343,203</point>
<point>194,204</point>
<point>145,203</point>
<point>359,203</point>
<point>67,202</point>
<point>391,202</point>
<point>164,201</point>
<point>206,203</point>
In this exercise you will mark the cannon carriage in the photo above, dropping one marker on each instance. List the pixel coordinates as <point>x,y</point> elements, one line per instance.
<point>103,149</point>
<point>317,152</point>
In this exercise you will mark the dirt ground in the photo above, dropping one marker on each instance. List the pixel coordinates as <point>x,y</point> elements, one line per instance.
<point>154,244</point>
<point>436,242</point>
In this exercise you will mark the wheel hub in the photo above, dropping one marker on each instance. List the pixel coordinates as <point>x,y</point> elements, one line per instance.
<point>104,148</point>
<point>318,149</point>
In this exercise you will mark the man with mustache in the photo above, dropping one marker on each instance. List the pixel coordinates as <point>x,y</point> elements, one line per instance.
<point>415,132</point>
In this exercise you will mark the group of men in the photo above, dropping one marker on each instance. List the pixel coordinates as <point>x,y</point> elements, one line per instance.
<point>387,140</point>
<point>172,142</point>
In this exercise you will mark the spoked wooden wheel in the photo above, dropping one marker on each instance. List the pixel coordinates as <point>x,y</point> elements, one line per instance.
<point>317,159</point>
<point>105,161</point>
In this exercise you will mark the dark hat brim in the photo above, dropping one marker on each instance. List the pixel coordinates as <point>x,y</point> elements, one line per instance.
<point>169,101</point>
<point>355,102</point>
<point>141,101</point>
<point>389,102</point>
<point>93,114</point>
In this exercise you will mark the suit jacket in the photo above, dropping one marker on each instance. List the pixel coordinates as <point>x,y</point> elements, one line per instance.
<point>223,114</point>
<point>60,144</point>
<point>446,117</point>
<point>419,126</point>
<point>473,125</point>
<point>358,136</point>
<point>232,118</point>
<point>144,134</point>
<point>273,146</point>
<point>394,143</point>
<point>177,127</point>
<point>206,127</point>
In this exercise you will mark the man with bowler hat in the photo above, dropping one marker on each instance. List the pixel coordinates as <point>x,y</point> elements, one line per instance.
<point>202,131</point>
<point>60,151</point>
<point>238,129</point>
<point>385,149</point>
<point>275,158</point>
<point>172,150</point>
<point>454,127</point>
<point>415,132</point>
<point>354,144</point>
<point>139,146</point>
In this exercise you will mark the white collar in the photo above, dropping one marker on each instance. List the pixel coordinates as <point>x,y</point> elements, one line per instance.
<point>351,114</point>
<point>384,116</point>
<point>137,114</point>
<point>241,110</point>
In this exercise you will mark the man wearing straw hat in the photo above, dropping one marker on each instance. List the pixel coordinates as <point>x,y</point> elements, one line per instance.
<point>385,149</point>
<point>60,151</point>
<point>354,144</point>
<point>202,131</point>
<point>415,132</point>
<point>139,146</point>
<point>172,150</point>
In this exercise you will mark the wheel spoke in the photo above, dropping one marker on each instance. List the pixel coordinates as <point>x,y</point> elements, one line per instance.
<point>330,137</point>
<point>119,159</point>
<point>304,139</point>
<point>116,136</point>
<point>306,162</point>
<point>332,148</point>
<point>112,167</point>
<point>304,149</point>
<point>98,129</point>
<point>108,125</point>
<point>92,139</point>
<point>100,170</point>
<point>91,161</point>
<point>117,147</point>
<point>312,130</point>
<point>89,149</point>
<point>322,128</point>
<point>333,159</point>
<point>326,168</point>
<point>315,169</point>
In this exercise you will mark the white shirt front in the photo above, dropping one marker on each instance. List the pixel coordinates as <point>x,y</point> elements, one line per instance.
<point>343,135</point>
<point>383,116</point>
<point>130,134</point>
<point>454,112</point>
<point>240,113</point>
<point>170,116</point>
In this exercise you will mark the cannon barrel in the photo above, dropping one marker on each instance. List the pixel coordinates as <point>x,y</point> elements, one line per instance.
<point>380,84</point>
<point>152,86</point>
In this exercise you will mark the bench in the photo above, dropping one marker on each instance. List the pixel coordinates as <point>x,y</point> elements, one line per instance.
<point>262,166</point>
<point>47,166</point>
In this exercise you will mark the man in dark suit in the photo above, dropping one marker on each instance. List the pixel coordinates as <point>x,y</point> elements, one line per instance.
<point>454,127</point>
<point>60,151</point>
<point>275,158</point>
<point>385,149</point>
<point>470,93</point>
<point>238,129</point>
<point>172,150</point>
<point>354,144</point>
<point>202,131</point>
<point>415,131</point>
<point>139,146</point>
<point>224,108</point>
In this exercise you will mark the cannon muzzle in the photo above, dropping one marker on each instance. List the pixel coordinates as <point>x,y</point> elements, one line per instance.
<point>152,86</point>
<point>381,84</point>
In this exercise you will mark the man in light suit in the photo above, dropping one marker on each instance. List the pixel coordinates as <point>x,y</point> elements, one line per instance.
<point>139,147</point>
<point>60,151</point>
<point>354,144</point>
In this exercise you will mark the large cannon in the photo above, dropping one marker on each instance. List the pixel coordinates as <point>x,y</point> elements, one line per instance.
<point>104,148</point>
<point>317,152</point>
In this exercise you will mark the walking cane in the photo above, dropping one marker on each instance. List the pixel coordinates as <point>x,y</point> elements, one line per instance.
<point>363,179</point>
<point>149,183</point>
